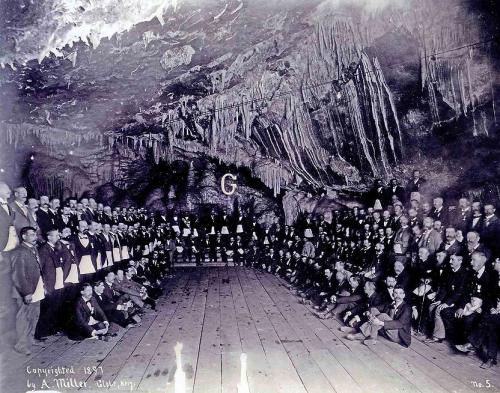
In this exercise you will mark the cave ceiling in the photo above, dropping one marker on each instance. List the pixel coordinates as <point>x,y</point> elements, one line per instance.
<point>326,93</point>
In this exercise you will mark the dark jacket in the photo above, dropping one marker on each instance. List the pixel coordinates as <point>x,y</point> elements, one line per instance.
<point>401,321</point>
<point>50,260</point>
<point>452,287</point>
<point>26,269</point>
<point>83,313</point>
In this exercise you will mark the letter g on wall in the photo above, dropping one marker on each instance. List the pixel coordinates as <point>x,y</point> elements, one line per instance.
<point>233,185</point>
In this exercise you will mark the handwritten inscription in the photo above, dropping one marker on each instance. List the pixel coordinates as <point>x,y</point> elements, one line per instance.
<point>482,384</point>
<point>63,378</point>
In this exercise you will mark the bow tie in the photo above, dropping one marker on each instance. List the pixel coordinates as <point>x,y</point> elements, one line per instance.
<point>83,236</point>
<point>3,203</point>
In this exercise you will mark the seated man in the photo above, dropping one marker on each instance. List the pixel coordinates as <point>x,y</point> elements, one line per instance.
<point>344,303</point>
<point>357,315</point>
<point>116,310</point>
<point>393,321</point>
<point>90,320</point>
<point>123,287</point>
<point>450,292</point>
<point>487,334</point>
<point>343,288</point>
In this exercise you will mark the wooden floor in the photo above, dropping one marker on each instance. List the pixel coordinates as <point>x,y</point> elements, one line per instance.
<point>218,313</point>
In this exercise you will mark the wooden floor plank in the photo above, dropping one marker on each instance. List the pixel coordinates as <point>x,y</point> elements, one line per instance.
<point>209,367</point>
<point>259,376</point>
<point>229,335</point>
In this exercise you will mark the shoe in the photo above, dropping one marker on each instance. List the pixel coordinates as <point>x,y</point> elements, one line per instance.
<point>433,340</point>
<point>22,351</point>
<point>38,343</point>
<point>370,341</point>
<point>347,329</point>
<point>355,337</point>
<point>488,364</point>
<point>465,348</point>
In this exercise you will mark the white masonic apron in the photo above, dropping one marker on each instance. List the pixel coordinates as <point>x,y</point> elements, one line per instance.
<point>39,293</point>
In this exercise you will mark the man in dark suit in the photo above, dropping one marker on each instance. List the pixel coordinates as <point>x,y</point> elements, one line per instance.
<point>451,245</point>
<point>458,324</point>
<point>53,279</point>
<point>450,292</point>
<point>487,333</point>
<point>90,320</point>
<point>395,190</point>
<point>491,229</point>
<point>415,183</point>
<point>356,316</point>
<point>402,239</point>
<point>66,219</point>
<point>439,212</point>
<point>8,236</point>
<point>377,193</point>
<point>402,276</point>
<point>114,306</point>
<point>475,221</point>
<point>28,289</point>
<point>377,267</point>
<point>462,215</point>
<point>44,218</point>
<point>393,322</point>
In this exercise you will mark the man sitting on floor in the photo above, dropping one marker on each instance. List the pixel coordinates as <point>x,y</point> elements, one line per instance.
<point>90,320</point>
<point>116,309</point>
<point>392,321</point>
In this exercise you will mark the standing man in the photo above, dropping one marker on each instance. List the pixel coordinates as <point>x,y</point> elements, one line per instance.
<point>18,206</point>
<point>8,236</point>
<point>53,278</point>
<point>28,289</point>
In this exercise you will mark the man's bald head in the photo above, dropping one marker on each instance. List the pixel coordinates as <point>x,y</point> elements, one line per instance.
<point>5,191</point>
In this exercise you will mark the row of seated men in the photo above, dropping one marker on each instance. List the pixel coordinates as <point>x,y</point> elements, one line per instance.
<point>410,243</point>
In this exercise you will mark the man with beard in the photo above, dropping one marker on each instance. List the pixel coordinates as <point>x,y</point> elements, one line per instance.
<point>44,218</point>
<point>357,315</point>
<point>393,322</point>
<point>450,292</point>
<point>66,219</point>
<point>432,239</point>
<point>451,245</point>
<point>480,285</point>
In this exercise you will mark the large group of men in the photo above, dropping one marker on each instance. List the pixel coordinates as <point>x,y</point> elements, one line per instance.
<point>400,267</point>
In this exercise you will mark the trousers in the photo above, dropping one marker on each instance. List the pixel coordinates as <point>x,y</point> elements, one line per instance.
<point>372,331</point>
<point>26,320</point>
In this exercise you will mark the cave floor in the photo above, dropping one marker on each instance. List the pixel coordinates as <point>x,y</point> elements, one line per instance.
<point>219,312</point>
